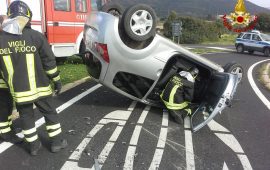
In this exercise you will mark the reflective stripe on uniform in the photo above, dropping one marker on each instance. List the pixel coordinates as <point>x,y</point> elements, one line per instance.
<point>6,130</point>
<point>53,127</point>
<point>52,134</point>
<point>31,139</point>
<point>29,131</point>
<point>3,124</point>
<point>3,84</point>
<point>188,111</point>
<point>30,62</point>
<point>56,78</point>
<point>34,92</point>
<point>10,70</point>
<point>52,71</point>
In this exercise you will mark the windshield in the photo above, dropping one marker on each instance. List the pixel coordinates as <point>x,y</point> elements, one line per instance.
<point>265,37</point>
<point>94,5</point>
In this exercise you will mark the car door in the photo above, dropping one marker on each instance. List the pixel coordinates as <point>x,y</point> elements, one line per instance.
<point>217,97</point>
<point>257,43</point>
<point>247,41</point>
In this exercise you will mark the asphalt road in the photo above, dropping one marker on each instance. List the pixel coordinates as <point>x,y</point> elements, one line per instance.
<point>109,130</point>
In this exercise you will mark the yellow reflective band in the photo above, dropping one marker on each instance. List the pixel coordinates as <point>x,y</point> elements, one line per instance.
<point>34,96</point>
<point>3,84</point>
<point>52,134</point>
<point>6,130</point>
<point>52,71</point>
<point>30,61</point>
<point>175,106</point>
<point>171,100</point>
<point>10,70</point>
<point>56,126</point>
<point>33,92</point>
<point>188,111</point>
<point>56,78</point>
<point>32,139</point>
<point>10,123</point>
<point>9,117</point>
<point>30,131</point>
<point>3,124</point>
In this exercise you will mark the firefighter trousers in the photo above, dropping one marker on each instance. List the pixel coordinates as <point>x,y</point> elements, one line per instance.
<point>45,106</point>
<point>6,106</point>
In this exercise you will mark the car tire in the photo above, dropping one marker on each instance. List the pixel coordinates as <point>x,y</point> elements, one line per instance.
<point>139,22</point>
<point>267,52</point>
<point>113,8</point>
<point>234,68</point>
<point>240,48</point>
<point>250,51</point>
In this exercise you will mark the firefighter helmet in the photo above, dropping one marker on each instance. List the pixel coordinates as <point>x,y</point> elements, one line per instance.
<point>19,8</point>
<point>194,72</point>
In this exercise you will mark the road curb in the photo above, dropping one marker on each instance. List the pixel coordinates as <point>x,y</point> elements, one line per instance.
<point>265,76</point>
<point>65,88</point>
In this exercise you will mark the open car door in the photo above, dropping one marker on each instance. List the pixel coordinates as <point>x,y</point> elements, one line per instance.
<point>219,94</point>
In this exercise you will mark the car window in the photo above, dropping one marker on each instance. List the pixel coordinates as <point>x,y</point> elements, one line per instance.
<point>94,5</point>
<point>247,36</point>
<point>240,35</point>
<point>265,37</point>
<point>81,5</point>
<point>256,37</point>
<point>62,5</point>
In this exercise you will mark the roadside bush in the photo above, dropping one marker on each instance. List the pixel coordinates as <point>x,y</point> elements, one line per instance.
<point>74,60</point>
<point>194,30</point>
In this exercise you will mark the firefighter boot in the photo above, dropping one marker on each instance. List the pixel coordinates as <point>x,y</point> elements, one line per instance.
<point>34,147</point>
<point>11,137</point>
<point>58,143</point>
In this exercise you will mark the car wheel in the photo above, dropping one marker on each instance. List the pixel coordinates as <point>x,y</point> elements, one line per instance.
<point>113,8</point>
<point>139,22</point>
<point>234,68</point>
<point>250,51</point>
<point>240,48</point>
<point>267,52</point>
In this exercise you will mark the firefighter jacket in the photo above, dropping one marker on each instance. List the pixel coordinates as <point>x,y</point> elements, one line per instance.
<point>3,84</point>
<point>27,64</point>
<point>178,92</point>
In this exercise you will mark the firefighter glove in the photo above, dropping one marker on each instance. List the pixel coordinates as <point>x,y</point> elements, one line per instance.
<point>57,87</point>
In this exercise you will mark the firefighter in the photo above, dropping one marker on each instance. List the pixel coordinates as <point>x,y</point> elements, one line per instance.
<point>28,66</point>
<point>178,94</point>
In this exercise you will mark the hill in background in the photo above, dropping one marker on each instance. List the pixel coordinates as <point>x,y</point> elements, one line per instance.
<point>197,8</point>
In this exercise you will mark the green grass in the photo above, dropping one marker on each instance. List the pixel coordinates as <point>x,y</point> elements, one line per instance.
<point>204,50</point>
<point>72,72</point>
<point>226,39</point>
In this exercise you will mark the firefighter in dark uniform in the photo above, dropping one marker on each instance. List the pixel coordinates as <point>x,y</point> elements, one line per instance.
<point>7,134</point>
<point>28,66</point>
<point>6,106</point>
<point>178,94</point>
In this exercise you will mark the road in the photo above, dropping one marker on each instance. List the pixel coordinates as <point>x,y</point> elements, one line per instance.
<point>107,130</point>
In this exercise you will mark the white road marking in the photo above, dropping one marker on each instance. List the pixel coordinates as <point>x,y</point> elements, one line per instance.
<point>120,117</point>
<point>134,140</point>
<point>161,142</point>
<point>220,48</point>
<point>190,161</point>
<point>254,86</point>
<point>225,167</point>
<point>231,142</point>
<point>5,145</point>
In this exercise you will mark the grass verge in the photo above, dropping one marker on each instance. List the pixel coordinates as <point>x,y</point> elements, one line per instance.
<point>205,51</point>
<point>261,71</point>
<point>226,39</point>
<point>72,72</point>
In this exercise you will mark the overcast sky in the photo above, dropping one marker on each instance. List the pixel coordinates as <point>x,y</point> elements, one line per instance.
<point>263,3</point>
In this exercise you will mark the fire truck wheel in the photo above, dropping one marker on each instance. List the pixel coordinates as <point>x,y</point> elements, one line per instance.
<point>140,22</point>
<point>113,8</point>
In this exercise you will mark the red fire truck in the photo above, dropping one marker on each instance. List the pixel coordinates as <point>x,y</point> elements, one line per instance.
<point>61,21</point>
